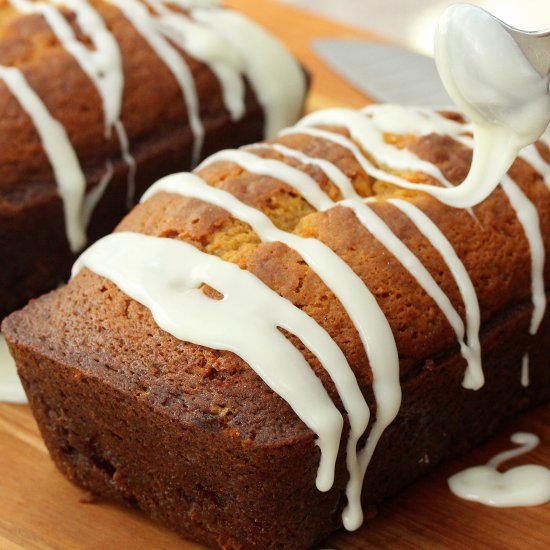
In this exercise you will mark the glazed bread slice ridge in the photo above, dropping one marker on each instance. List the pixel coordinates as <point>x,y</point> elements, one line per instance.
<point>194,436</point>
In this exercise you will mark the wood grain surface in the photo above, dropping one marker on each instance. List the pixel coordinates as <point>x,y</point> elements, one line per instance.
<point>40,509</point>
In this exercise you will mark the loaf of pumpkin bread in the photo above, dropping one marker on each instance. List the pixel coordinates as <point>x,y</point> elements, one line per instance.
<point>100,98</point>
<point>256,336</point>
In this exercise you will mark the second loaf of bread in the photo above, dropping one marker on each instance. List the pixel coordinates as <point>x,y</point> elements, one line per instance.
<point>100,98</point>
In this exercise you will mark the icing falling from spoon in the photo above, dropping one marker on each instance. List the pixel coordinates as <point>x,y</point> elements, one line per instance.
<point>491,80</point>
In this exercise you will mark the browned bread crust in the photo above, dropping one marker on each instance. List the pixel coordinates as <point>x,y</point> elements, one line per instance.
<point>33,245</point>
<point>195,438</point>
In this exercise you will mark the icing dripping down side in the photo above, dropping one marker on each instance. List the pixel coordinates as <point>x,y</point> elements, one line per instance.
<point>471,351</point>
<point>383,233</point>
<point>209,47</point>
<point>534,158</point>
<point>94,195</point>
<point>103,64</point>
<point>68,173</point>
<point>528,217</point>
<point>525,371</point>
<point>222,39</point>
<point>527,485</point>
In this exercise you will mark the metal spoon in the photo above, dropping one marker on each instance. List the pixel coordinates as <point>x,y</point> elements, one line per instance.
<point>534,45</point>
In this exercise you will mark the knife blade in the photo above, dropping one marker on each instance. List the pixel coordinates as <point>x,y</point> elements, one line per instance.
<point>384,72</point>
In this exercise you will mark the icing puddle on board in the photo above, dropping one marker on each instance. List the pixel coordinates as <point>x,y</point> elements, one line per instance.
<point>11,390</point>
<point>526,485</point>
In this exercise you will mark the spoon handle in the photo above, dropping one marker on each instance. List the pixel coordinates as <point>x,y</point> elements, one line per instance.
<point>536,47</point>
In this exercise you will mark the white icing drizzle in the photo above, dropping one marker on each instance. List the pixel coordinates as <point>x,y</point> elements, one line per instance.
<point>274,169</point>
<point>145,23</point>
<point>525,371</point>
<point>471,351</point>
<point>527,485</point>
<point>529,218</point>
<point>102,64</point>
<point>209,47</point>
<point>94,195</point>
<point>129,160</point>
<point>332,172</point>
<point>368,131</point>
<point>348,144</point>
<point>407,123</point>
<point>473,377</point>
<point>68,173</point>
<point>165,275</point>
<point>531,155</point>
<point>277,78</point>
<point>418,121</point>
<point>527,215</point>
<point>222,39</point>
<point>359,303</point>
<point>11,390</point>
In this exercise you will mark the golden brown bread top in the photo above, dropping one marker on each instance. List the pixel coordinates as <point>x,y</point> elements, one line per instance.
<point>493,248</point>
<point>112,335</point>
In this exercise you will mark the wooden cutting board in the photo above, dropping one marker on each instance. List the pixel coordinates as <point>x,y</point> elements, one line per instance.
<point>40,509</point>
